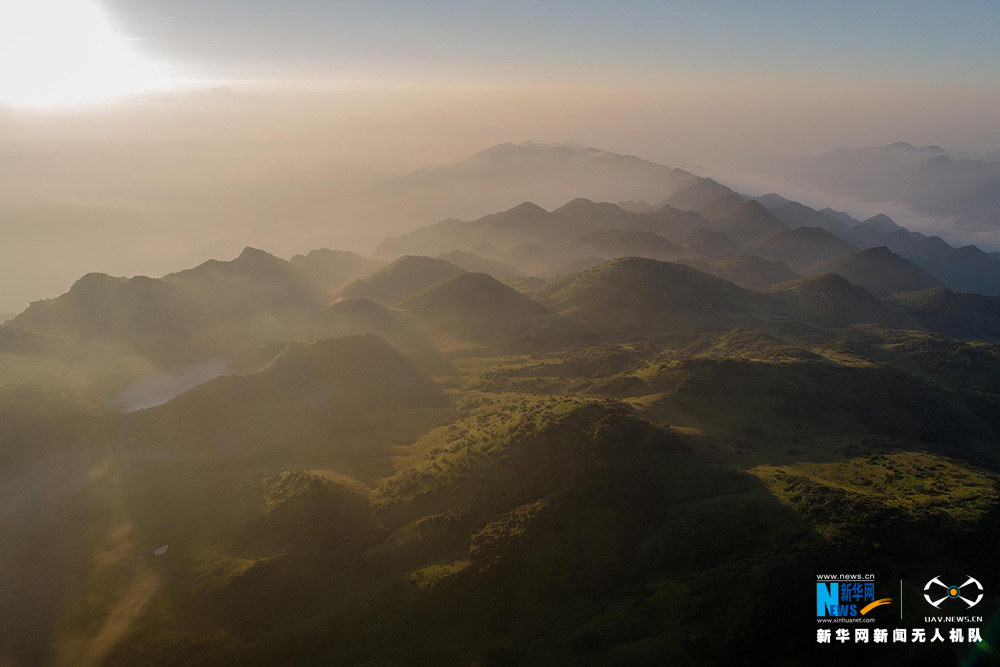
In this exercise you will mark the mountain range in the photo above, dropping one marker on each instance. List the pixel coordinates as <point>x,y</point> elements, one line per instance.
<point>928,179</point>
<point>558,433</point>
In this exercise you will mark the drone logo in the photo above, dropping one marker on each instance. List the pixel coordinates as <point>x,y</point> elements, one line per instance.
<point>953,592</point>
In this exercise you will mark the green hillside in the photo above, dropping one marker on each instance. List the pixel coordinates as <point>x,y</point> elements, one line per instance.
<point>617,466</point>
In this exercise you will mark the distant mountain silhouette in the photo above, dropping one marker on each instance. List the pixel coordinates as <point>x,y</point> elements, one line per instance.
<point>640,206</point>
<point>927,179</point>
<point>965,269</point>
<point>697,195</point>
<point>883,222</point>
<point>332,269</point>
<point>879,271</point>
<point>252,280</point>
<point>398,280</point>
<point>183,316</point>
<point>708,243</point>
<point>533,239</point>
<point>750,270</point>
<point>613,243</point>
<point>795,214</point>
<point>478,264</point>
<point>742,221</point>
<point>491,180</point>
<point>801,247</point>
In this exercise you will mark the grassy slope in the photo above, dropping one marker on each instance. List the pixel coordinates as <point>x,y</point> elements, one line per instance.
<point>617,503</point>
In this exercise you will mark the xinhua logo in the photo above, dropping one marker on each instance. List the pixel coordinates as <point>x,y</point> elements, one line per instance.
<point>841,599</point>
<point>935,587</point>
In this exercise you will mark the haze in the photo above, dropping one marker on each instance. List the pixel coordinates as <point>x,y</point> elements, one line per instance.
<point>300,103</point>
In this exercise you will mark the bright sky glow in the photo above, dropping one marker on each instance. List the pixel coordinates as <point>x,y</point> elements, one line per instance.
<point>67,52</point>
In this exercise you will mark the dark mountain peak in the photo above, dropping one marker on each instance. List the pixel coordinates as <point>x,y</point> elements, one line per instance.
<point>504,147</point>
<point>904,148</point>
<point>576,204</point>
<point>970,251</point>
<point>525,212</point>
<point>251,254</point>
<point>526,208</point>
<point>773,199</point>
<point>698,195</point>
<point>94,281</point>
<point>883,222</point>
<point>95,288</point>
<point>251,262</point>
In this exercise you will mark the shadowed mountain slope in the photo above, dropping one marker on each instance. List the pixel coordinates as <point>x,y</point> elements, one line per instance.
<point>698,195</point>
<point>635,297</point>
<point>880,271</point>
<point>397,280</point>
<point>750,270</point>
<point>742,221</point>
<point>307,390</point>
<point>478,264</point>
<point>972,316</point>
<point>613,243</point>
<point>802,247</point>
<point>830,300</point>
<point>477,308</point>
<point>795,214</point>
<point>183,316</point>
<point>331,269</point>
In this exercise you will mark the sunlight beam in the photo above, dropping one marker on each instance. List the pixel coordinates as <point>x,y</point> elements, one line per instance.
<point>67,52</point>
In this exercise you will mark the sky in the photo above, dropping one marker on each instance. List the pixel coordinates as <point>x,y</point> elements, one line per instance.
<point>580,40</point>
<point>141,136</point>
